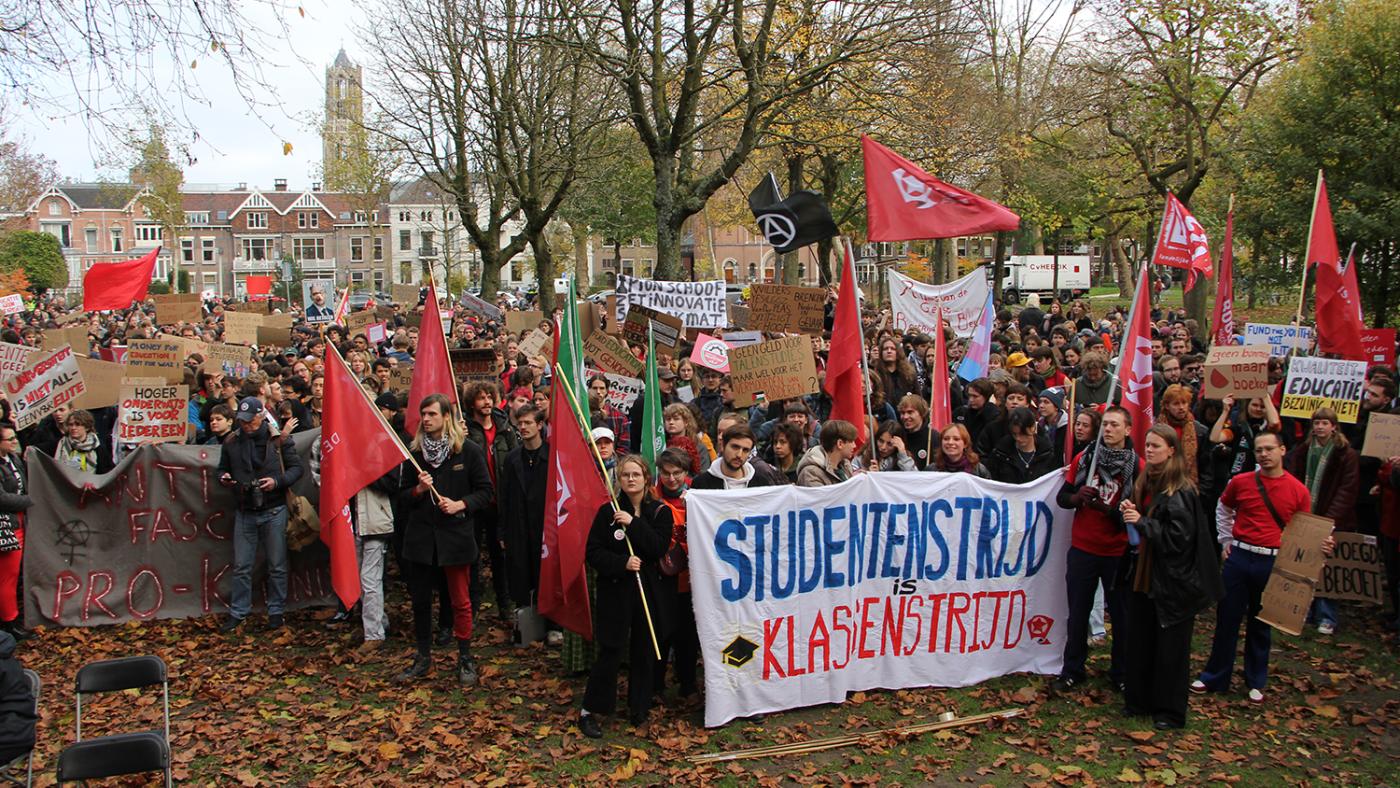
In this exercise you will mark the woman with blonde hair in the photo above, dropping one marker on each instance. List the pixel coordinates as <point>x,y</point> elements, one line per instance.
<point>1176,576</point>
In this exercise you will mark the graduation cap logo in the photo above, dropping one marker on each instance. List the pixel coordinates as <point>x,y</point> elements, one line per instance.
<point>793,223</point>
<point>739,652</point>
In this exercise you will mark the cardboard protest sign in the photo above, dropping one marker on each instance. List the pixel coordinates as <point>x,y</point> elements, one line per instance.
<point>232,360</point>
<point>711,352</point>
<point>521,322</point>
<point>1296,573</point>
<point>784,308</point>
<point>52,380</point>
<point>12,304</point>
<point>611,355</point>
<point>404,294</point>
<point>13,359</point>
<point>1280,339</point>
<point>75,336</point>
<point>475,364</point>
<point>534,343</point>
<point>777,369</point>
<point>401,379</point>
<point>476,306</point>
<point>178,308</point>
<point>241,328</point>
<point>697,304</point>
<point>318,300</point>
<point>102,383</point>
<point>153,414</point>
<point>1379,345</point>
<point>739,316</point>
<point>608,318</point>
<point>1323,382</point>
<point>383,312</point>
<point>1382,436</point>
<point>667,330</point>
<point>156,358</point>
<point>355,322</point>
<point>1239,371</point>
<point>1355,571</point>
<point>274,336</point>
<point>279,321</point>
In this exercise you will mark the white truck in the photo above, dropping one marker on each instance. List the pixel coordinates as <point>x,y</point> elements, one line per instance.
<point>1026,274</point>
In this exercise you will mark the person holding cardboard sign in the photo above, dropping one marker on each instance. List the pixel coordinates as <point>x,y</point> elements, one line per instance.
<point>1175,577</point>
<point>1328,465</point>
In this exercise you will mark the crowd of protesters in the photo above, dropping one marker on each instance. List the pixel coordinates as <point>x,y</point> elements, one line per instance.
<point>1161,532</point>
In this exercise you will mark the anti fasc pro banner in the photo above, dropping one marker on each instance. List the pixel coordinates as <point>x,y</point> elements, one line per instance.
<point>886,580</point>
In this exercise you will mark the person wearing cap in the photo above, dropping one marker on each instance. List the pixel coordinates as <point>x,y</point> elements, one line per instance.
<point>259,469</point>
<point>1019,365</point>
<point>606,442</point>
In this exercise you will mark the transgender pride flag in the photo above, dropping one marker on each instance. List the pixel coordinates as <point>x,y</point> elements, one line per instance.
<point>979,350</point>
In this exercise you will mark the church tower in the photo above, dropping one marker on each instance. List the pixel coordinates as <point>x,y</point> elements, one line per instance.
<point>345,111</point>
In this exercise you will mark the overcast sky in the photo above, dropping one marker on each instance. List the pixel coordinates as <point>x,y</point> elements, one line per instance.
<point>235,145</point>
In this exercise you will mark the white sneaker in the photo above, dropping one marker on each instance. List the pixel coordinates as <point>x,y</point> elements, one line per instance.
<point>1256,696</point>
<point>1198,687</point>
<point>1326,628</point>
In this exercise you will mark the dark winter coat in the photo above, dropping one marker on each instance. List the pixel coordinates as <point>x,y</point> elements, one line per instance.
<point>650,534</point>
<point>1185,573</point>
<point>14,494</point>
<point>431,537</point>
<point>1004,461</point>
<point>249,457</point>
<point>1341,481</point>
<point>17,717</point>
<point>521,493</point>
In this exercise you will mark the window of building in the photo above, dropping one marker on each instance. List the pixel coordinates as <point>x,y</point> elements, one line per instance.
<point>629,266</point>
<point>378,281</point>
<point>90,238</point>
<point>309,248</point>
<point>257,248</point>
<point>257,220</point>
<point>515,271</point>
<point>308,219</point>
<point>405,216</point>
<point>425,216</point>
<point>357,277</point>
<point>59,230</point>
<point>187,250</point>
<point>357,248</point>
<point>405,240</point>
<point>378,248</point>
<point>149,232</point>
<point>116,239</point>
<point>648,266</point>
<point>55,208</point>
<point>207,244</point>
<point>425,241</point>
<point>196,217</point>
<point>211,282</point>
<point>360,217</point>
<point>451,216</point>
<point>753,272</point>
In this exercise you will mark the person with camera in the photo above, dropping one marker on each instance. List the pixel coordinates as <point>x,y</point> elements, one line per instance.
<point>260,468</point>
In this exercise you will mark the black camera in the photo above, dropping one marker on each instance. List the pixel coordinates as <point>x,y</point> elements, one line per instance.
<point>252,495</point>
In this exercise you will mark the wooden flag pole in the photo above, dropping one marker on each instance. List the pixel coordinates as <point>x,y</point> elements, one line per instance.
<point>1303,287</point>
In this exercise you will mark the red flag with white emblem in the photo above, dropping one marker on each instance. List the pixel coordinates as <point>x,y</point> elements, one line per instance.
<point>902,202</point>
<point>1182,242</point>
<point>1135,362</point>
<point>1224,312</point>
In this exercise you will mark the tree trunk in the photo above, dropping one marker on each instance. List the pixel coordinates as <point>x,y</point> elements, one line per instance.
<point>1194,300</point>
<point>824,249</point>
<point>490,274</point>
<point>1123,266</point>
<point>936,270</point>
<point>581,259</point>
<point>795,182</point>
<point>617,260</point>
<point>998,267</point>
<point>544,271</point>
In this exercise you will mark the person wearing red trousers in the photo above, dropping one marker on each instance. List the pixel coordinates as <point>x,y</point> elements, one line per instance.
<point>14,500</point>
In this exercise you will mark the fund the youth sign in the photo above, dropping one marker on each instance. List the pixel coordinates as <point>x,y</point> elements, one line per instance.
<point>887,580</point>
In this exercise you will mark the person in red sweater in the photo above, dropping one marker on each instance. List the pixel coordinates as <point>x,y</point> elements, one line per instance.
<point>1098,544</point>
<point>1250,518</point>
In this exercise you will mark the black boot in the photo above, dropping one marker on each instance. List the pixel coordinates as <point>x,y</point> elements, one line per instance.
<point>588,726</point>
<point>422,666</point>
<point>466,671</point>
<point>17,630</point>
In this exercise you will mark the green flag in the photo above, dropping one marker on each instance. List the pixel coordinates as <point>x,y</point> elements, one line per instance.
<point>570,361</point>
<point>653,434</point>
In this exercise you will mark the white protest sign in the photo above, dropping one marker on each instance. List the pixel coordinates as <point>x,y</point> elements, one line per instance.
<point>1323,383</point>
<point>697,304</point>
<point>12,304</point>
<point>13,359</point>
<point>1280,339</point>
<point>153,413</point>
<point>622,390</point>
<point>803,594</point>
<point>913,303</point>
<point>39,389</point>
<point>742,338</point>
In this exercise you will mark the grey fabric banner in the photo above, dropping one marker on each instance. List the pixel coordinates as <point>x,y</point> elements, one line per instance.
<point>150,539</point>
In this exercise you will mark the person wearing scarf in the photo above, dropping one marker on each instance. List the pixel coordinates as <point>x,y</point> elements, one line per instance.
<point>955,454</point>
<point>79,447</point>
<point>1193,437</point>
<point>440,531</point>
<point>14,502</point>
<point>672,483</point>
<point>1331,469</point>
<point>1098,544</point>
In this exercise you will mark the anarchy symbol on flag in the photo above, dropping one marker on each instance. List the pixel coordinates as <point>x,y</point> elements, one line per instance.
<point>777,228</point>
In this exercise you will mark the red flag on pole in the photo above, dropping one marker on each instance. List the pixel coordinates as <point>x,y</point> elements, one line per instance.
<point>1223,318</point>
<point>1135,362</point>
<point>1322,235</point>
<point>902,202</point>
<point>845,373</point>
<point>116,285</point>
<point>574,493</point>
<point>941,408</point>
<point>1182,242</point>
<point>1338,314</point>
<point>357,448</point>
<point>258,288</point>
<point>432,366</point>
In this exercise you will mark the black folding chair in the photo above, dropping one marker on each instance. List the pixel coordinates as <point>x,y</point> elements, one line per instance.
<point>7,770</point>
<point>122,753</point>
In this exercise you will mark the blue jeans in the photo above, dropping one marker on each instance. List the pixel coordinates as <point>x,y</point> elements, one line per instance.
<point>1245,574</point>
<point>1323,611</point>
<point>250,528</point>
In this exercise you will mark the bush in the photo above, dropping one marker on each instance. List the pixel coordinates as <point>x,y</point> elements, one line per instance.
<point>38,255</point>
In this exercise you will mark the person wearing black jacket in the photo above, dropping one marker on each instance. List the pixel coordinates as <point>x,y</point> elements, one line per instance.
<point>260,469</point>
<point>453,487</point>
<point>523,475</point>
<point>1024,455</point>
<point>737,468</point>
<point>1176,576</point>
<point>979,411</point>
<point>490,430</point>
<point>626,543</point>
<point>14,500</point>
<point>17,717</point>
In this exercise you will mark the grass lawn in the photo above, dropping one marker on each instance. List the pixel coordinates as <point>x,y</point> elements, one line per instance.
<point>301,709</point>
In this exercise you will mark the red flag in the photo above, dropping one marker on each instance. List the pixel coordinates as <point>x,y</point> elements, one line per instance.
<point>1135,362</point>
<point>1322,236</point>
<point>1338,315</point>
<point>116,285</point>
<point>357,448</point>
<point>902,202</point>
<point>258,288</point>
<point>1224,313</point>
<point>845,376</point>
<point>573,495</point>
<point>941,409</point>
<point>1182,242</point>
<point>432,366</point>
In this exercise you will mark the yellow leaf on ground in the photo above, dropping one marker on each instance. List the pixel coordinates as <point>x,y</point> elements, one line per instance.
<point>390,750</point>
<point>1128,776</point>
<point>336,745</point>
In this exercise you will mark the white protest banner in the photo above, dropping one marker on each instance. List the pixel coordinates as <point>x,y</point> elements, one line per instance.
<point>711,352</point>
<point>13,359</point>
<point>376,334</point>
<point>12,304</point>
<point>622,390</point>
<point>1280,339</point>
<point>39,389</point>
<point>803,594</point>
<point>153,414</point>
<point>1323,383</point>
<point>697,304</point>
<point>913,303</point>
